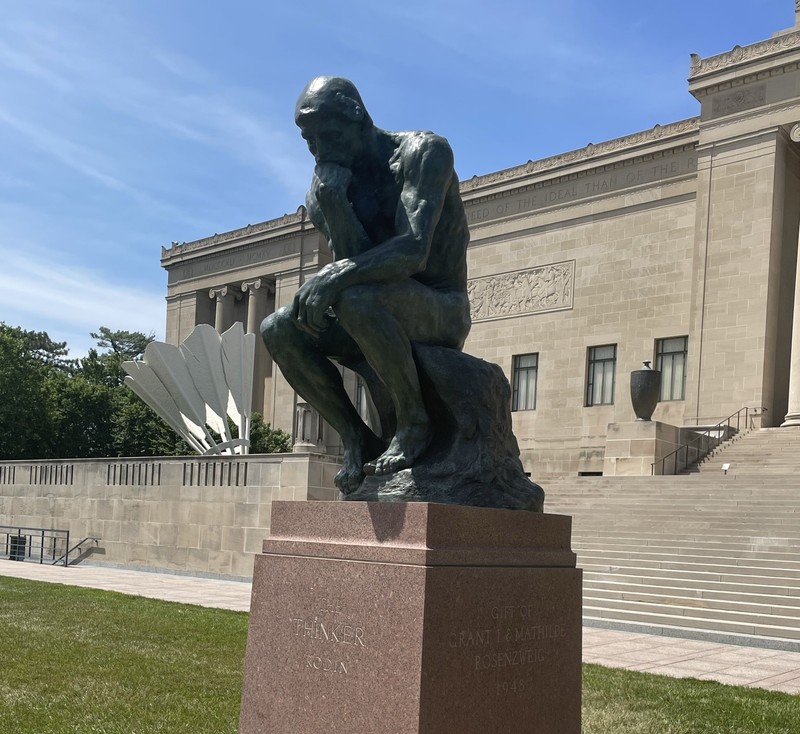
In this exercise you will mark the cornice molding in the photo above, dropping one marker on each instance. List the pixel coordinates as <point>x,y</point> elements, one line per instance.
<point>578,175</point>
<point>645,137</point>
<point>180,248</point>
<point>740,54</point>
<point>741,81</point>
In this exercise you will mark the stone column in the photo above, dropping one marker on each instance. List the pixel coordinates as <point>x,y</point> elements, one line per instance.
<point>223,307</point>
<point>258,306</point>
<point>257,292</point>
<point>793,416</point>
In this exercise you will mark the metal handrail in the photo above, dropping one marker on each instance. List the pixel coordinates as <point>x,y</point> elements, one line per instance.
<point>698,448</point>
<point>22,542</point>
<point>77,545</point>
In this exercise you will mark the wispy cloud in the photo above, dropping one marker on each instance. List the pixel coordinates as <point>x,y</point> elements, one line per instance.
<point>126,75</point>
<point>69,301</point>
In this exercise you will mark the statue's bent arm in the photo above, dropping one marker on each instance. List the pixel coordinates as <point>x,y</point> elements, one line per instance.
<point>427,165</point>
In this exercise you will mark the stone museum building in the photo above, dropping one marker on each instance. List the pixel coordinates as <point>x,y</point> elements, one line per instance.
<point>677,245</point>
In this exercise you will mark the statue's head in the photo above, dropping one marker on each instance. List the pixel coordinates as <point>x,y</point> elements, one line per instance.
<point>333,120</point>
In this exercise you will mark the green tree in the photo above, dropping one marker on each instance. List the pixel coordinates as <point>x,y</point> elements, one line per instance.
<point>138,431</point>
<point>26,428</point>
<point>267,440</point>
<point>53,407</point>
<point>82,416</point>
<point>126,344</point>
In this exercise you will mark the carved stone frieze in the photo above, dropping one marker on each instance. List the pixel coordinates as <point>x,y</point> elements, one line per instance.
<point>540,289</point>
<point>738,101</point>
<point>590,151</point>
<point>738,54</point>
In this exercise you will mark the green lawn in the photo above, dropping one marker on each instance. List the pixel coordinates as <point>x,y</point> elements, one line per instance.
<point>82,661</point>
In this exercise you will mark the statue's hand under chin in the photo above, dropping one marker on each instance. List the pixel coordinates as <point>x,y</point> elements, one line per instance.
<point>331,179</point>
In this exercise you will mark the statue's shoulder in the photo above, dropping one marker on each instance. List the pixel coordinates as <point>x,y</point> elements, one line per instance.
<point>416,147</point>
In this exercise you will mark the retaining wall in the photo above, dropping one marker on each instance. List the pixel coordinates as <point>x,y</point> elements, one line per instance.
<point>191,514</point>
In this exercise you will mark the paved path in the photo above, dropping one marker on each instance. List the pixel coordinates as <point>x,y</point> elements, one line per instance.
<point>733,664</point>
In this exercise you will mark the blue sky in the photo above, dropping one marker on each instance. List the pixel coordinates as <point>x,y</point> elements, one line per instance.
<point>127,124</point>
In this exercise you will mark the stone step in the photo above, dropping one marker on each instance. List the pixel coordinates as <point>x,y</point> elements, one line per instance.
<point>598,588</point>
<point>744,585</point>
<point>788,529</point>
<point>786,517</point>
<point>636,550</point>
<point>644,536</point>
<point>721,500</point>
<point>679,621</point>
<point>708,561</point>
<point>740,567</point>
<point>697,572</point>
<point>721,615</point>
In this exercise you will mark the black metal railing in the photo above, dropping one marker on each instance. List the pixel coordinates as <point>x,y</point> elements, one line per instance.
<point>77,546</point>
<point>42,545</point>
<point>698,448</point>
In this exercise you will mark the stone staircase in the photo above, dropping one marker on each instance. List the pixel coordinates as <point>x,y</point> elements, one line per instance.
<point>705,556</point>
<point>769,450</point>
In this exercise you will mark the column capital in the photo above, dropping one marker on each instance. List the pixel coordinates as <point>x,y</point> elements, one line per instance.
<point>252,286</point>
<point>218,291</point>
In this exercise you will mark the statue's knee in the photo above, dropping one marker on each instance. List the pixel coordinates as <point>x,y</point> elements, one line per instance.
<point>275,328</point>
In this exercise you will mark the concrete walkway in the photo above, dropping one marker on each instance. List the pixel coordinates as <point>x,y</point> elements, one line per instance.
<point>733,664</point>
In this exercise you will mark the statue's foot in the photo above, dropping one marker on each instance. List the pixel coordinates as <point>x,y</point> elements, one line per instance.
<point>405,448</point>
<point>349,477</point>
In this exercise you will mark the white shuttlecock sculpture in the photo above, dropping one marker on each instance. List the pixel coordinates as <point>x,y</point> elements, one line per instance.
<point>197,386</point>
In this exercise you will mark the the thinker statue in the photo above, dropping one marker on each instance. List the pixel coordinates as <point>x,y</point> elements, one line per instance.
<point>389,205</point>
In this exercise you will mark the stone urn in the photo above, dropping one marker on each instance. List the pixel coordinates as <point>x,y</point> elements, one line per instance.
<point>645,391</point>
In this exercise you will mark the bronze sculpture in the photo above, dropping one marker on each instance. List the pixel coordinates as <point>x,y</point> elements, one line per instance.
<point>395,293</point>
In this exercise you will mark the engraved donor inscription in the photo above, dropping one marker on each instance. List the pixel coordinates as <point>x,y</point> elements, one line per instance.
<point>510,637</point>
<point>545,288</point>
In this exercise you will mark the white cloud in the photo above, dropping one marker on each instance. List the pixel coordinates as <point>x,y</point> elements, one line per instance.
<point>42,294</point>
<point>123,74</point>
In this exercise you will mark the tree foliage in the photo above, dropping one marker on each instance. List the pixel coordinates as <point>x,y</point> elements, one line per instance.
<point>26,428</point>
<point>267,440</point>
<point>54,407</point>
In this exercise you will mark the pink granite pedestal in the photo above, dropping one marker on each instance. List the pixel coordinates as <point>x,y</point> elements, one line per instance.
<point>380,618</point>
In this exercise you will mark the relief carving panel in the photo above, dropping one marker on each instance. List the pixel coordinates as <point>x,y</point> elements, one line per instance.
<point>537,290</point>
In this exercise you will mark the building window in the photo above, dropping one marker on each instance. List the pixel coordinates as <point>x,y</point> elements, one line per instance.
<point>524,373</point>
<point>671,362</point>
<point>600,375</point>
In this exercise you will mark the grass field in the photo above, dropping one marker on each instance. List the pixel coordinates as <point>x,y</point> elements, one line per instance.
<point>81,661</point>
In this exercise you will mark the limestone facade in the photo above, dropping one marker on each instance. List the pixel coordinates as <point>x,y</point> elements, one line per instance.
<point>687,230</point>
